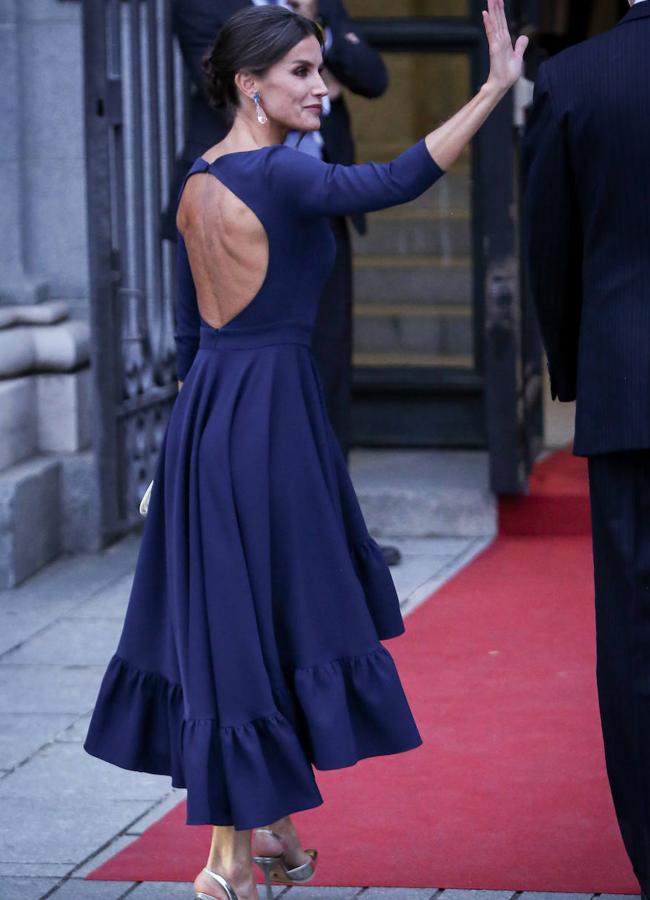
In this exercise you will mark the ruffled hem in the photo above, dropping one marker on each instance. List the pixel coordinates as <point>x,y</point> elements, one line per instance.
<point>253,773</point>
<point>345,705</point>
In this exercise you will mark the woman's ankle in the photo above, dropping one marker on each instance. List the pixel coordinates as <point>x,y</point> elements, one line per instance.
<point>232,869</point>
<point>284,827</point>
<point>283,841</point>
<point>268,842</point>
<point>240,878</point>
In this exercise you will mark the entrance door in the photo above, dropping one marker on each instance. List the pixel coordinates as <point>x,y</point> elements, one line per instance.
<point>445,352</point>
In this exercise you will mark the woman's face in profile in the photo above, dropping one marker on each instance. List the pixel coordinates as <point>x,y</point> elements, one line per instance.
<point>292,89</point>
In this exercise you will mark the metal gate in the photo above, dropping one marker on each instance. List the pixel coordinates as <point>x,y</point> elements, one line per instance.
<point>134,93</point>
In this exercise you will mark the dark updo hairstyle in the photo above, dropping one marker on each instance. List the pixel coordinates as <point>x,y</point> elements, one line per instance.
<point>252,40</point>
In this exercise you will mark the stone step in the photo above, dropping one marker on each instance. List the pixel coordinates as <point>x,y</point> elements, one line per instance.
<point>424,493</point>
<point>403,329</point>
<point>416,280</point>
<point>453,192</point>
<point>64,411</point>
<point>18,421</point>
<point>427,233</point>
<point>48,505</point>
<point>44,413</point>
<point>30,518</point>
<point>80,508</point>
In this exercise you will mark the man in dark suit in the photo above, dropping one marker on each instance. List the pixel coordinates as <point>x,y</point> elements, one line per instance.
<point>587,244</point>
<point>349,61</point>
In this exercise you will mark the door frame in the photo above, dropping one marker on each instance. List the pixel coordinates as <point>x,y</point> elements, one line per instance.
<point>497,404</point>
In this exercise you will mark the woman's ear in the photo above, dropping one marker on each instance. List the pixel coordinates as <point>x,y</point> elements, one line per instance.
<point>246,83</point>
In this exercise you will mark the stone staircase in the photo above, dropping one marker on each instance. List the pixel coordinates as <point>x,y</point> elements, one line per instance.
<point>413,281</point>
<point>47,481</point>
<point>424,493</point>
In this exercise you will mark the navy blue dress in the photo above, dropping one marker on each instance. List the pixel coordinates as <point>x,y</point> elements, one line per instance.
<point>250,650</point>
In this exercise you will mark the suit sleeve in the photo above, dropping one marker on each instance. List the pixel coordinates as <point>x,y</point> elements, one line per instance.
<point>196,26</point>
<point>311,187</point>
<point>357,65</point>
<point>552,238</point>
<point>187,320</point>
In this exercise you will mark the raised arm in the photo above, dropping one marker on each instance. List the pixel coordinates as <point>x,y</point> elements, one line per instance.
<point>352,61</point>
<point>187,320</point>
<point>314,187</point>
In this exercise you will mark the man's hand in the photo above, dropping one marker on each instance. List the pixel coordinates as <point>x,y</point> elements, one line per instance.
<point>334,87</point>
<point>307,8</point>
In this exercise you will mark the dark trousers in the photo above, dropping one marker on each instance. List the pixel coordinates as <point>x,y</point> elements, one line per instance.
<point>619,485</point>
<point>332,336</point>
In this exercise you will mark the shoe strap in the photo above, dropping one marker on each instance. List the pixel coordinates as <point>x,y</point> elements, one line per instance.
<point>301,872</point>
<point>222,882</point>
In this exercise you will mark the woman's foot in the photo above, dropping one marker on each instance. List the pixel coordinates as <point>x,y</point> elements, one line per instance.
<point>240,879</point>
<point>266,844</point>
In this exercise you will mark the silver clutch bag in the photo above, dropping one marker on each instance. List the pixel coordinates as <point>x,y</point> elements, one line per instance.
<point>144,503</point>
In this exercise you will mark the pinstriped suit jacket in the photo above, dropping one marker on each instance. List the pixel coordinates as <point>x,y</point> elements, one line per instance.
<point>587,230</point>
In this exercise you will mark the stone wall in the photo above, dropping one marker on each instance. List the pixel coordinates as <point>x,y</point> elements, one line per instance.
<point>42,174</point>
<point>48,479</point>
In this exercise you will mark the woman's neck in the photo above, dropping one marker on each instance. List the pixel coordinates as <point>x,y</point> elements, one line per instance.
<point>248,134</point>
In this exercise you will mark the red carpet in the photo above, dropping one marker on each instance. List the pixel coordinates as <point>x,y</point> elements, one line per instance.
<point>558,502</point>
<point>509,789</point>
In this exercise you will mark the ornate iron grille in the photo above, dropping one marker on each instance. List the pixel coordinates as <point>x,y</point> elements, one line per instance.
<point>134,99</point>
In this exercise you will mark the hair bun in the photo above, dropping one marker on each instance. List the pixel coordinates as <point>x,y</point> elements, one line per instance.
<point>216,83</point>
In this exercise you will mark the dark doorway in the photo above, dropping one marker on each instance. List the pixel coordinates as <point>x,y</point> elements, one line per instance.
<point>446,353</point>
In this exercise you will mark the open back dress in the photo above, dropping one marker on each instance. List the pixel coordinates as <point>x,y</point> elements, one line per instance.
<point>250,651</point>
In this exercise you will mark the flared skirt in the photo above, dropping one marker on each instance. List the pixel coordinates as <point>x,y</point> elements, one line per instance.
<point>250,650</point>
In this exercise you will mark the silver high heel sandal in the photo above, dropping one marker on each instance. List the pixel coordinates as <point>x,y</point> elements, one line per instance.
<point>222,882</point>
<point>275,869</point>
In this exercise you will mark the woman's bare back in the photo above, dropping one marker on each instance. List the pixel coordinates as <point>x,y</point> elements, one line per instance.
<point>226,243</point>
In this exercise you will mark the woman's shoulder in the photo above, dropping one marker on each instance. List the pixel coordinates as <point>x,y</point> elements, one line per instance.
<point>284,159</point>
<point>214,154</point>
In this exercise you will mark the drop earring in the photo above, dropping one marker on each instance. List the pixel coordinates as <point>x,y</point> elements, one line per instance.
<point>259,112</point>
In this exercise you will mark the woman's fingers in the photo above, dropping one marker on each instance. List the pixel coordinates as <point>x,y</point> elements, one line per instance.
<point>494,14</point>
<point>520,46</point>
<point>505,60</point>
<point>487,22</point>
<point>494,19</point>
<point>502,24</point>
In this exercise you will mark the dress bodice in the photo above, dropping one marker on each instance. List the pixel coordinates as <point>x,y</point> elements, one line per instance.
<point>293,195</point>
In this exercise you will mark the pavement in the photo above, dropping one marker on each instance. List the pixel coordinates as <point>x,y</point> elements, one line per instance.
<point>62,812</point>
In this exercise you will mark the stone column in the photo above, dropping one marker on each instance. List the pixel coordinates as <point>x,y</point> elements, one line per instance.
<point>16,284</point>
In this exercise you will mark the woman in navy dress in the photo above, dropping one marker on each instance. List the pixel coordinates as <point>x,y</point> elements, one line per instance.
<point>250,651</point>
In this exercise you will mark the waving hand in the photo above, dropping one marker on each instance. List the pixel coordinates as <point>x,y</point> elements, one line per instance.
<point>505,61</point>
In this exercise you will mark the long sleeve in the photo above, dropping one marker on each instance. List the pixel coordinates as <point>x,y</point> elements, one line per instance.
<point>187,319</point>
<point>553,238</point>
<point>312,187</point>
<point>357,65</point>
